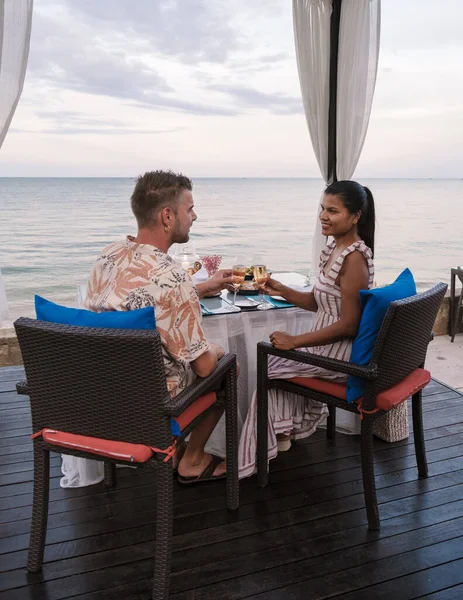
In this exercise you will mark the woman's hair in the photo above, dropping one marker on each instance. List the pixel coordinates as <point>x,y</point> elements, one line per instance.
<point>357,198</point>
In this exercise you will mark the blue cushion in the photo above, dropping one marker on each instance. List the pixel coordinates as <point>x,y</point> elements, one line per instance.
<point>375,303</point>
<point>142,318</point>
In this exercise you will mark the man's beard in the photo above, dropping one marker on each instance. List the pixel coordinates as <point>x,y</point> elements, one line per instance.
<point>180,238</point>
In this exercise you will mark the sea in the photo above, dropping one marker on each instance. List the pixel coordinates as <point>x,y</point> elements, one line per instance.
<point>52,229</point>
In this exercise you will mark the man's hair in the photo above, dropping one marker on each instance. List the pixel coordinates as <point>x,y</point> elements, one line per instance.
<point>154,191</point>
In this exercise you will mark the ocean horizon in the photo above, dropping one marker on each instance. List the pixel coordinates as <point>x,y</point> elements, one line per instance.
<point>54,228</point>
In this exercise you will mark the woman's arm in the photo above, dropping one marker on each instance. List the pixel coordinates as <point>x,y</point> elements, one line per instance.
<point>352,278</point>
<point>305,300</point>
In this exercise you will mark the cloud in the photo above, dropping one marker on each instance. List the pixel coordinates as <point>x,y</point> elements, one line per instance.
<point>153,54</point>
<point>251,98</point>
<point>99,131</point>
<point>197,30</point>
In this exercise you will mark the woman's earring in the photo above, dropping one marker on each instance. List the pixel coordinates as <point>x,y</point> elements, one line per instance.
<point>167,228</point>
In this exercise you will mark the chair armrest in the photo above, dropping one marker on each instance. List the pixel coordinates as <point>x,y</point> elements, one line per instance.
<point>341,366</point>
<point>21,388</point>
<point>201,386</point>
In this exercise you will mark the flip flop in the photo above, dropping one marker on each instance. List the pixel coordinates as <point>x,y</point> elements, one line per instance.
<point>206,475</point>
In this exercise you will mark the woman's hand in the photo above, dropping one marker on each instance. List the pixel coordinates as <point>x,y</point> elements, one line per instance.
<point>273,287</point>
<point>282,340</point>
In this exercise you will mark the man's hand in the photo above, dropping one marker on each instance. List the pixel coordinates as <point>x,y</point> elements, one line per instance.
<point>215,284</point>
<point>282,340</point>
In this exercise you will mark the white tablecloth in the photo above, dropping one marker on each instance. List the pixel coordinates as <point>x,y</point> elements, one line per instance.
<point>237,333</point>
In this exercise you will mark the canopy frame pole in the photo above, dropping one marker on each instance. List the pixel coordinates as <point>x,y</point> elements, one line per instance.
<point>335,22</point>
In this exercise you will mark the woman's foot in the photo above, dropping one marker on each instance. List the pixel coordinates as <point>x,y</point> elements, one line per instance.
<point>283,442</point>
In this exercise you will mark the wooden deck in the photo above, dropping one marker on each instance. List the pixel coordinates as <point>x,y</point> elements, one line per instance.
<point>303,537</point>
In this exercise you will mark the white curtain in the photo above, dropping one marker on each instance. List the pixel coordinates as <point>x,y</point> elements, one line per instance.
<point>15,35</point>
<point>357,66</point>
<point>358,52</point>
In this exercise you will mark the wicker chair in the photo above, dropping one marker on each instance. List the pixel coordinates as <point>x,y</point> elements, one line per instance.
<point>456,303</point>
<point>394,374</point>
<point>110,384</point>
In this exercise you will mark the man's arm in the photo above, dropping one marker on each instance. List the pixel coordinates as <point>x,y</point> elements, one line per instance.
<point>205,364</point>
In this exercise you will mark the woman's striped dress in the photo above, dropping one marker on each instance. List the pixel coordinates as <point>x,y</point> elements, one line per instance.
<point>288,413</point>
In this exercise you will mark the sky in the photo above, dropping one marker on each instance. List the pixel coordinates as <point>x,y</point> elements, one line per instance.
<point>210,88</point>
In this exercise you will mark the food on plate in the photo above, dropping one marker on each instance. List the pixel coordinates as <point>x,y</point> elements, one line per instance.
<point>195,268</point>
<point>248,285</point>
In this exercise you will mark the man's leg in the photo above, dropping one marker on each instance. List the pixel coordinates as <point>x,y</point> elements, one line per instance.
<point>195,460</point>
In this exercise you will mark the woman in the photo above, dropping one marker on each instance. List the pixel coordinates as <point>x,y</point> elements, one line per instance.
<point>347,215</point>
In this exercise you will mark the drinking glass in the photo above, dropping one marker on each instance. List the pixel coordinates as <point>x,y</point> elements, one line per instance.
<point>238,275</point>
<point>260,277</point>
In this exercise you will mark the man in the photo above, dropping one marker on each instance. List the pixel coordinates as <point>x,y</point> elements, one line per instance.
<point>138,272</point>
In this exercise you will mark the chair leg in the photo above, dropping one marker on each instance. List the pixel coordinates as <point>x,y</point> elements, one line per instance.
<point>163,545</point>
<point>368,473</point>
<point>418,435</point>
<point>331,423</point>
<point>39,509</point>
<point>232,441</point>
<point>109,474</point>
<point>456,318</point>
<point>262,419</point>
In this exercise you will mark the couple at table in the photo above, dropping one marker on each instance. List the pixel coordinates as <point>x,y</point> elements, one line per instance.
<point>137,272</point>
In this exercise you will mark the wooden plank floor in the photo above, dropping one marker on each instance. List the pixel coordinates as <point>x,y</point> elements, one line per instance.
<point>303,537</point>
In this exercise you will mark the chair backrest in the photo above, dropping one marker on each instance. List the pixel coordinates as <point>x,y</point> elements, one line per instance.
<point>107,383</point>
<point>403,340</point>
<point>459,274</point>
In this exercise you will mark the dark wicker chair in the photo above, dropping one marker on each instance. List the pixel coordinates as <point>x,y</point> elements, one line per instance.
<point>456,303</point>
<point>394,374</point>
<point>110,384</point>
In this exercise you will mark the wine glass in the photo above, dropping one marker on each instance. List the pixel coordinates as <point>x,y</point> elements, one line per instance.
<point>238,275</point>
<point>260,277</point>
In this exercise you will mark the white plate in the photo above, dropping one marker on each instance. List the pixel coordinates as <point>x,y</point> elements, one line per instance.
<point>246,302</point>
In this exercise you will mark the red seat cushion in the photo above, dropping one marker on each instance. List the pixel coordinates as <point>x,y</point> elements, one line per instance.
<point>338,390</point>
<point>395,395</point>
<point>195,409</point>
<point>384,400</point>
<point>110,448</point>
<point>124,450</point>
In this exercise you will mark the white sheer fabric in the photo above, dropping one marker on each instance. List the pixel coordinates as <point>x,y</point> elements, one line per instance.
<point>358,53</point>
<point>15,35</point>
<point>311,24</point>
